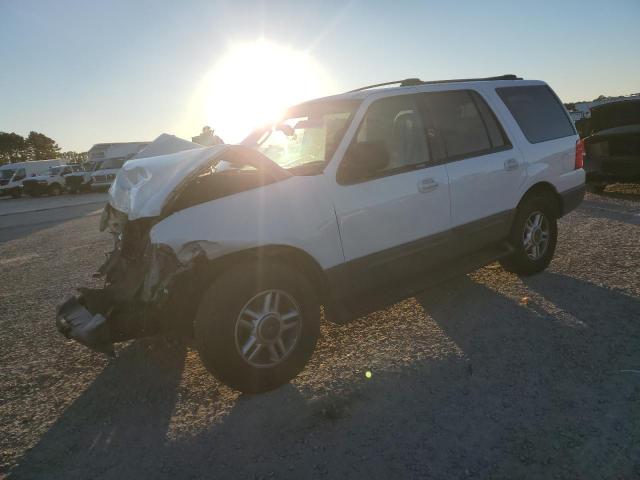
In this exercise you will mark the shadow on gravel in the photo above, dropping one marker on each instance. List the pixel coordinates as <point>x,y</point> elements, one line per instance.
<point>124,413</point>
<point>608,211</point>
<point>547,394</point>
<point>603,309</point>
<point>531,396</point>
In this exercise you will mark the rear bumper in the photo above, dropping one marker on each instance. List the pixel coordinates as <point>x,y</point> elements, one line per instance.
<point>572,198</point>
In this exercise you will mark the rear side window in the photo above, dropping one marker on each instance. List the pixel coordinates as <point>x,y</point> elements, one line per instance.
<point>460,124</point>
<point>537,111</point>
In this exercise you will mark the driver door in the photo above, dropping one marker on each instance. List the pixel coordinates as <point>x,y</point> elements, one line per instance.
<point>396,220</point>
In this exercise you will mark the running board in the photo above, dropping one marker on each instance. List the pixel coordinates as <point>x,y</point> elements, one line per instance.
<point>349,309</point>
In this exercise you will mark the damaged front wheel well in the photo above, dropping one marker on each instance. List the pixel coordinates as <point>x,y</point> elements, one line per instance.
<point>288,256</point>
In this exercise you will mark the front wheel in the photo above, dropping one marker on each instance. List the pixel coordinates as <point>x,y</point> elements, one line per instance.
<point>55,189</point>
<point>257,326</point>
<point>534,236</point>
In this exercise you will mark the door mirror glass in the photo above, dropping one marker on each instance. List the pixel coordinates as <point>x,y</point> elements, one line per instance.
<point>363,160</point>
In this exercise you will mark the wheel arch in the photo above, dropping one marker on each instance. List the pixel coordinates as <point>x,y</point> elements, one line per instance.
<point>544,189</point>
<point>289,256</point>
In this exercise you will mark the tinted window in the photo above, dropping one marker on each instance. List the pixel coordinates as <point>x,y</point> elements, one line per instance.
<point>395,126</point>
<point>538,112</point>
<point>496,134</point>
<point>456,128</point>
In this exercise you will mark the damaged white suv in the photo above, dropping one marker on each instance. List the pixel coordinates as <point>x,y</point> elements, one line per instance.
<point>380,190</point>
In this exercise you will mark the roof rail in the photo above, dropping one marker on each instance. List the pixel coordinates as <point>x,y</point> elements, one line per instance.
<point>412,82</point>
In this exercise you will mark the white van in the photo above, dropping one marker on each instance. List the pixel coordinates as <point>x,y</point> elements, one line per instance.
<point>12,175</point>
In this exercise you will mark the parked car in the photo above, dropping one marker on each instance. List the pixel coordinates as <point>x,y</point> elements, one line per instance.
<point>375,190</point>
<point>613,148</point>
<point>12,175</point>
<point>102,178</point>
<point>80,181</point>
<point>51,183</point>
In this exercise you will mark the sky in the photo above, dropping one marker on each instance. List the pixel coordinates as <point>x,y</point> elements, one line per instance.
<point>86,72</point>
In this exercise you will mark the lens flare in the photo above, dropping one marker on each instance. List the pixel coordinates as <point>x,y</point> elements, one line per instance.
<point>253,83</point>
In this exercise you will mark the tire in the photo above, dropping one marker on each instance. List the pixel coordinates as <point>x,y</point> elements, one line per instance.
<point>221,332</point>
<point>525,259</point>
<point>16,193</point>
<point>54,189</point>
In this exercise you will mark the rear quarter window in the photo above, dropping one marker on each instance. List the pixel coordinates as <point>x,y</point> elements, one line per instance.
<point>538,112</point>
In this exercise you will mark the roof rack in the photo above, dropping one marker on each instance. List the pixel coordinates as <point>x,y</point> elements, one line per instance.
<point>412,82</point>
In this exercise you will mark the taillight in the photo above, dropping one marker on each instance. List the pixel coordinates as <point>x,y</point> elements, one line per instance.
<point>579,153</point>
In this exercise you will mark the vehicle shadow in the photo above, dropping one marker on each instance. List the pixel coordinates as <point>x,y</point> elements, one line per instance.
<point>122,416</point>
<point>608,211</point>
<point>533,393</point>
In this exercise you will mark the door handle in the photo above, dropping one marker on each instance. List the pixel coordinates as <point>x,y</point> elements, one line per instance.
<point>511,164</point>
<point>427,185</point>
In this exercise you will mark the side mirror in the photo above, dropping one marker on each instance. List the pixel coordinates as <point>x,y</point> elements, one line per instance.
<point>362,161</point>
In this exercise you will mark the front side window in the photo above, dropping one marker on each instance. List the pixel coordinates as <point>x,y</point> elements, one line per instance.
<point>6,173</point>
<point>306,138</point>
<point>389,140</point>
<point>538,112</point>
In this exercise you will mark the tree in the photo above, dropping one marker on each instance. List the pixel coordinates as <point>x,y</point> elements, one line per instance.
<point>74,157</point>
<point>12,148</point>
<point>41,147</point>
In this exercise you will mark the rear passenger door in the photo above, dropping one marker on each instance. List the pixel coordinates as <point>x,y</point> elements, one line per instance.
<point>485,171</point>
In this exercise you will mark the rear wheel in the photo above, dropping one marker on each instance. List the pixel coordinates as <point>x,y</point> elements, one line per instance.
<point>534,236</point>
<point>256,328</point>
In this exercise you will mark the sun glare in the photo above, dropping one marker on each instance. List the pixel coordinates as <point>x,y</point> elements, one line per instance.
<point>253,83</point>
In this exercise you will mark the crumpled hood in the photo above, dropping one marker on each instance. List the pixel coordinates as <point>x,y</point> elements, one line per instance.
<point>142,186</point>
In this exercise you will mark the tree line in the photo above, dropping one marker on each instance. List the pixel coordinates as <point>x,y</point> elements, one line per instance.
<point>35,146</point>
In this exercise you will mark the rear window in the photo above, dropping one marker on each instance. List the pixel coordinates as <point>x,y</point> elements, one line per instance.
<point>538,112</point>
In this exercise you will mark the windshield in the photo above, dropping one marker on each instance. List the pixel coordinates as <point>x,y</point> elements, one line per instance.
<point>307,136</point>
<point>54,171</point>
<point>7,173</point>
<point>112,163</point>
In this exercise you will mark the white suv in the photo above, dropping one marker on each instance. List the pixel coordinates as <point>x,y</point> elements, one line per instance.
<point>377,190</point>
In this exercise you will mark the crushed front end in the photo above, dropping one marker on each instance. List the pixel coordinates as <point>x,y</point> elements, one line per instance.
<point>139,280</point>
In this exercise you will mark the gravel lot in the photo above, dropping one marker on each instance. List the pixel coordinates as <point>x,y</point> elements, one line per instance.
<point>486,376</point>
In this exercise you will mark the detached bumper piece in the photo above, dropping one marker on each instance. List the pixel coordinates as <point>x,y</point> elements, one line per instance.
<point>74,321</point>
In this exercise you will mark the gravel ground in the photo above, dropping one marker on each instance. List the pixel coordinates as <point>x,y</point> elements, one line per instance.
<point>486,376</point>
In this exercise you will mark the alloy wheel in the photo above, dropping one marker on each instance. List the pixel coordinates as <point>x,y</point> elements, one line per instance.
<point>268,328</point>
